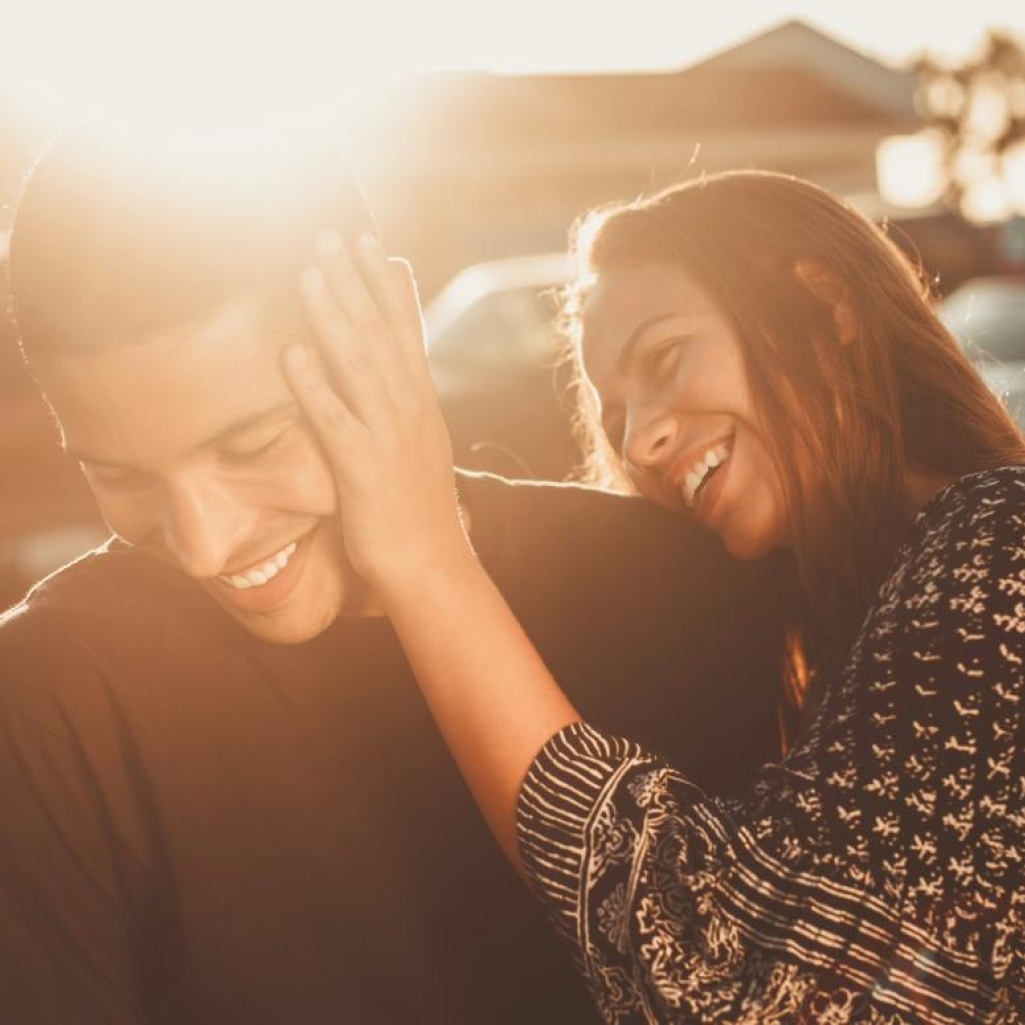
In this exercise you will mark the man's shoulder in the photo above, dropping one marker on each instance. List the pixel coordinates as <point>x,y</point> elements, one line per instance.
<point>477,485</point>
<point>113,575</point>
<point>105,622</point>
<point>106,594</point>
<point>565,510</point>
<point>584,543</point>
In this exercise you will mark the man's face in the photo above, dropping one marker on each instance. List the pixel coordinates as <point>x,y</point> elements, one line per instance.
<point>198,454</point>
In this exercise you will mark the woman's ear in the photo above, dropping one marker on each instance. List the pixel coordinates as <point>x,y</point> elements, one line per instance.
<point>828,288</point>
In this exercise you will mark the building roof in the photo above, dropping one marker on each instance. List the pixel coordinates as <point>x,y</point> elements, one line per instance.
<point>792,75</point>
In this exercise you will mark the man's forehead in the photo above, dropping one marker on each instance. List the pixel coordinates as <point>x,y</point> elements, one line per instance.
<point>248,323</point>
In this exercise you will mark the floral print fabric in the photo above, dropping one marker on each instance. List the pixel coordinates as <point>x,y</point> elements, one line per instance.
<point>876,873</point>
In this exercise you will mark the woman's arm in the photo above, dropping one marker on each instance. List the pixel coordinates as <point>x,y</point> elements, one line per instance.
<point>492,697</point>
<point>370,397</point>
<point>863,875</point>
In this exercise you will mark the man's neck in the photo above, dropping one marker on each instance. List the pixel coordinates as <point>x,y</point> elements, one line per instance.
<point>367,606</point>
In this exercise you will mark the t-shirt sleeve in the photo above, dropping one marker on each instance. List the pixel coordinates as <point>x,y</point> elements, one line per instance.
<point>875,870</point>
<point>71,949</point>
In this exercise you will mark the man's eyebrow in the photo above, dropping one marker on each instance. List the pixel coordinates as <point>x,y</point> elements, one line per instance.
<point>623,363</point>
<point>232,430</point>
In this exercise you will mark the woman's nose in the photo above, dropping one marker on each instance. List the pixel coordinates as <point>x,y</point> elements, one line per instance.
<point>649,440</point>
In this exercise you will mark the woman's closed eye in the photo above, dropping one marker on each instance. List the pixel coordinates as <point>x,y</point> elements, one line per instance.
<point>659,362</point>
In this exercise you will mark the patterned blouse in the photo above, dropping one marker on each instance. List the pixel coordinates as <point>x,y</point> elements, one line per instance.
<point>876,874</point>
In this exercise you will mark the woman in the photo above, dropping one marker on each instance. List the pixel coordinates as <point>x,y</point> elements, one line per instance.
<point>764,360</point>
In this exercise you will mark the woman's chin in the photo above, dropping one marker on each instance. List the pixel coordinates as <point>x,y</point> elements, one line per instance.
<point>745,541</point>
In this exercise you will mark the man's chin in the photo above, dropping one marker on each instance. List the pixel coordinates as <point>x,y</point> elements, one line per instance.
<point>286,626</point>
<point>311,602</point>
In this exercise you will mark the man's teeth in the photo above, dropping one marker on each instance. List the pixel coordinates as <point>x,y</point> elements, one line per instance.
<point>709,461</point>
<point>261,574</point>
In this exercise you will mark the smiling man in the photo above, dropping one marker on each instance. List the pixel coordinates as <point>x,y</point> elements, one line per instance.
<point>221,796</point>
<point>235,494</point>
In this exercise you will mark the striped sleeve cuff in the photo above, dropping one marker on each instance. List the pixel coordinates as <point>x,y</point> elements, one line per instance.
<point>559,801</point>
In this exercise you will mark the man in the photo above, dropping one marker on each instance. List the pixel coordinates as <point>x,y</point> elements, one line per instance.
<point>221,796</point>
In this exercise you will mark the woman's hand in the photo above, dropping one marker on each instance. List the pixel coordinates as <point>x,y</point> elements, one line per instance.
<point>368,393</point>
<point>370,398</point>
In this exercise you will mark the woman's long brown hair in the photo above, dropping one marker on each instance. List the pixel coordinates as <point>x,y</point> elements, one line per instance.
<point>873,400</point>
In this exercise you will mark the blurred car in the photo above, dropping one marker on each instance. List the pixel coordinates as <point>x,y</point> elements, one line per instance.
<point>987,315</point>
<point>496,357</point>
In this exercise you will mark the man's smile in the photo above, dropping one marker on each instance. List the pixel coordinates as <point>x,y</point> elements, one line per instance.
<point>259,573</point>
<point>267,584</point>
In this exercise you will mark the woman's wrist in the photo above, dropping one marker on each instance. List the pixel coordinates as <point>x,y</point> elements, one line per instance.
<point>447,561</point>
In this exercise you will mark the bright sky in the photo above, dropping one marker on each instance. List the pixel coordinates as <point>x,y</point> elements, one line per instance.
<point>69,55</point>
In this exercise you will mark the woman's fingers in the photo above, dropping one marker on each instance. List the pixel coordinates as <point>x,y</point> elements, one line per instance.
<point>389,282</point>
<point>375,410</point>
<point>413,338</point>
<point>333,422</point>
<point>377,301</point>
<point>350,363</point>
<point>346,284</point>
<point>378,278</point>
<point>363,300</point>
<point>366,318</point>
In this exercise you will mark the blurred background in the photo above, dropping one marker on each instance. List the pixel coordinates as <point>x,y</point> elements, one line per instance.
<point>481,132</point>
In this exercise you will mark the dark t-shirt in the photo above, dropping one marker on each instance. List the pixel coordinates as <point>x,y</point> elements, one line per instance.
<point>197,826</point>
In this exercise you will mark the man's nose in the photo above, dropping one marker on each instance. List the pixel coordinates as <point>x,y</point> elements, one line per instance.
<point>202,526</point>
<point>649,438</point>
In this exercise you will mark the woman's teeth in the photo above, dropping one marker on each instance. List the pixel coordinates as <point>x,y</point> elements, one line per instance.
<point>261,574</point>
<point>700,471</point>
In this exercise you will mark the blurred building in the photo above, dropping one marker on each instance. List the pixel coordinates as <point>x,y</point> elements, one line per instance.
<point>466,167</point>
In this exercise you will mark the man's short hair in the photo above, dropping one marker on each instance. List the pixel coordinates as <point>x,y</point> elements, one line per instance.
<point>113,240</point>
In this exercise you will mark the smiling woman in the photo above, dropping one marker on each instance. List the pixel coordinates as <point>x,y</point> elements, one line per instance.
<point>767,362</point>
<point>686,357</point>
<point>815,351</point>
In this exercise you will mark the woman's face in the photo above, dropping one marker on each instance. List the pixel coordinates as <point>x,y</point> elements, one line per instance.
<point>669,375</point>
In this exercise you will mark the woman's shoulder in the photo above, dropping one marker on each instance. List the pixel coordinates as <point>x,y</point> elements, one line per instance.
<point>987,504</point>
<point>997,485</point>
<point>964,557</point>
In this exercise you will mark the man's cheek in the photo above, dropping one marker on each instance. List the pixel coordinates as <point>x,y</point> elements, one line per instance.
<point>128,523</point>
<point>308,485</point>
